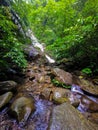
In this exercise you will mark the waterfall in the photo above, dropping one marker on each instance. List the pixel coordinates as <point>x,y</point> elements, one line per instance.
<point>50,59</point>
<point>36,43</point>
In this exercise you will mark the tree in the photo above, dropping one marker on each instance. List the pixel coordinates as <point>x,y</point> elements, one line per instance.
<point>69,29</point>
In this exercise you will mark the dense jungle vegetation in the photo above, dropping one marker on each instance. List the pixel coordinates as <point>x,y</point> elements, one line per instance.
<point>69,29</point>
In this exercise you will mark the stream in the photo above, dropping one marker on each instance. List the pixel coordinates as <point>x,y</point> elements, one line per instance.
<point>37,84</point>
<point>38,121</point>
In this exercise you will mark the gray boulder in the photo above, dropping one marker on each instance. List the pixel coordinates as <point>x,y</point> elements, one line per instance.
<point>60,95</point>
<point>66,117</point>
<point>31,52</point>
<point>62,76</point>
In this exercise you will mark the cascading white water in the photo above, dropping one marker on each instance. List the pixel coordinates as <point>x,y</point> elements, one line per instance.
<point>49,59</point>
<point>36,43</point>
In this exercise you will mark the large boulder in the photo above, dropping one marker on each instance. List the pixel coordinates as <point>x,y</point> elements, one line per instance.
<point>31,52</point>
<point>87,86</point>
<point>57,95</point>
<point>5,98</point>
<point>6,86</point>
<point>60,95</point>
<point>22,108</point>
<point>62,76</point>
<point>66,117</point>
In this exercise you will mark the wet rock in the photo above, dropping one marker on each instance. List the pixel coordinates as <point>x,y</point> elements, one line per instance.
<point>5,98</point>
<point>74,99</point>
<point>59,100</point>
<point>88,87</point>
<point>62,76</point>
<point>57,95</point>
<point>66,117</point>
<point>60,92</point>
<point>86,104</point>
<point>77,93</point>
<point>22,108</point>
<point>60,95</point>
<point>6,86</point>
<point>31,52</point>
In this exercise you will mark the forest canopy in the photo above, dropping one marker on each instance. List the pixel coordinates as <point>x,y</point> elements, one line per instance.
<point>69,28</point>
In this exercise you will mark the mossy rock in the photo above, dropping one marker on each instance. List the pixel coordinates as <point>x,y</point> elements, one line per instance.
<point>5,98</point>
<point>59,100</point>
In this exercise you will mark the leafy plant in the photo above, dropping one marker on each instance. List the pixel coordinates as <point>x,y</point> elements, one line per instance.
<point>69,29</point>
<point>11,53</point>
<point>87,71</point>
<point>59,84</point>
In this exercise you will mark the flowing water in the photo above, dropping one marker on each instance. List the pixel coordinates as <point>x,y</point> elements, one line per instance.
<point>37,121</point>
<point>40,119</point>
<point>36,43</point>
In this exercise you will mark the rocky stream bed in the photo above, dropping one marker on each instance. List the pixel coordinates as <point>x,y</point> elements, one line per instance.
<point>37,104</point>
<point>32,101</point>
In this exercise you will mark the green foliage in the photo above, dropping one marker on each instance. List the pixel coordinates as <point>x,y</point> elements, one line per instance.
<point>87,71</point>
<point>24,10</point>
<point>59,84</point>
<point>51,18</point>
<point>10,46</point>
<point>69,29</point>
